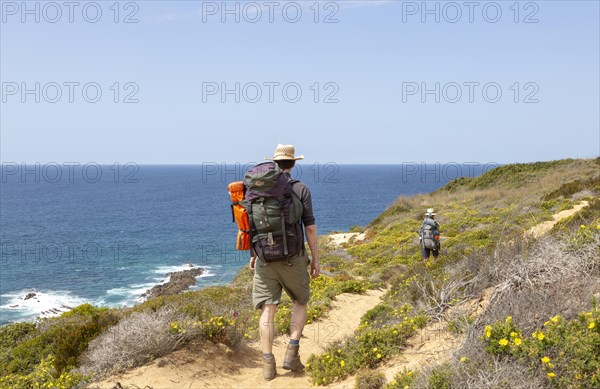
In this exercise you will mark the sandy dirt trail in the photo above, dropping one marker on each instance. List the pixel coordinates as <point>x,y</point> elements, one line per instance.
<point>542,228</point>
<point>216,366</point>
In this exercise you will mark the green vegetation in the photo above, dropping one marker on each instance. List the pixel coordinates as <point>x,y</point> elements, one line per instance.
<point>369,380</point>
<point>43,376</point>
<point>24,345</point>
<point>402,379</point>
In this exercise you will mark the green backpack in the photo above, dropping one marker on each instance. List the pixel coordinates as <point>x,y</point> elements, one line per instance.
<point>274,212</point>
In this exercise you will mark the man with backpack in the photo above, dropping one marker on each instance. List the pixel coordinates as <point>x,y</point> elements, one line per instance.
<point>280,213</point>
<point>429,235</point>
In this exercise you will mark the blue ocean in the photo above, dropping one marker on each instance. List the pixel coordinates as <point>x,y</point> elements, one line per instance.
<point>105,234</point>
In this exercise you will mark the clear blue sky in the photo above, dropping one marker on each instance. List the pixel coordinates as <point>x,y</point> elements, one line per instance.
<point>371,56</point>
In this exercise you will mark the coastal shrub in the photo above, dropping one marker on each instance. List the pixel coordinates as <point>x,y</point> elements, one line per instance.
<point>569,188</point>
<point>514,175</point>
<point>14,333</point>
<point>10,336</point>
<point>402,380</point>
<point>75,329</point>
<point>381,313</point>
<point>354,286</point>
<point>25,356</point>
<point>368,379</point>
<point>44,376</point>
<point>564,351</point>
<point>137,339</point>
<point>441,377</point>
<point>65,338</point>
<point>460,324</point>
<point>202,304</point>
<point>223,330</point>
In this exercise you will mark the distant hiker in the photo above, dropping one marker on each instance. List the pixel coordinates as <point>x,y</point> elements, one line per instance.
<point>429,235</point>
<point>278,207</point>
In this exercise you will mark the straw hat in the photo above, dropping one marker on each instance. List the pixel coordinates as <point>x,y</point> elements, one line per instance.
<point>285,152</point>
<point>430,212</point>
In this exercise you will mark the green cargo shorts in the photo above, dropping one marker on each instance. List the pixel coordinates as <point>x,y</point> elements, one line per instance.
<point>271,277</point>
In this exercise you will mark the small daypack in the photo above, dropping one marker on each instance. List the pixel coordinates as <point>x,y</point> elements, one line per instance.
<point>274,213</point>
<point>429,233</point>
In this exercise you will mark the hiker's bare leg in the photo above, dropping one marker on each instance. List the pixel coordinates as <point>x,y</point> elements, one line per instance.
<point>297,321</point>
<point>267,318</point>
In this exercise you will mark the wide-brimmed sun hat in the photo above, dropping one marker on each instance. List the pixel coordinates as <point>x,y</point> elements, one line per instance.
<point>430,212</point>
<point>285,152</point>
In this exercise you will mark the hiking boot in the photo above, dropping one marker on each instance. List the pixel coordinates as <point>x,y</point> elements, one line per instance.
<point>292,359</point>
<point>269,371</point>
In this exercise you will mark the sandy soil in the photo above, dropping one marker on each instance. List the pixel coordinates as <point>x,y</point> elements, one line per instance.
<point>342,238</point>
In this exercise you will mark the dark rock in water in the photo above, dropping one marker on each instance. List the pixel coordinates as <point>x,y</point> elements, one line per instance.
<point>29,295</point>
<point>179,281</point>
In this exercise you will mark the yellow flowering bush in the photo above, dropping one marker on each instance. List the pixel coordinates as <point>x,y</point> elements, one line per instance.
<point>564,351</point>
<point>402,380</point>
<point>44,376</point>
<point>224,330</point>
<point>585,234</point>
<point>503,337</point>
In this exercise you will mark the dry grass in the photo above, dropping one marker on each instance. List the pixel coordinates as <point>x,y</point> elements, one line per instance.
<point>534,282</point>
<point>135,340</point>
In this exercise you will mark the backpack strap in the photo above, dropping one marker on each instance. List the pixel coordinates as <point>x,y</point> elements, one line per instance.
<point>300,225</point>
<point>253,231</point>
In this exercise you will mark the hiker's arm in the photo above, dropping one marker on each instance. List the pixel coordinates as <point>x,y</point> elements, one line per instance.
<point>311,237</point>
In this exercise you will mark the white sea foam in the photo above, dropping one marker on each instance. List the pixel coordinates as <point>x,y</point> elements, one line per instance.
<point>163,270</point>
<point>44,303</point>
<point>52,303</point>
<point>129,295</point>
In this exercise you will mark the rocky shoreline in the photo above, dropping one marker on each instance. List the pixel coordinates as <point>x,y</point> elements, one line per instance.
<point>178,282</point>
